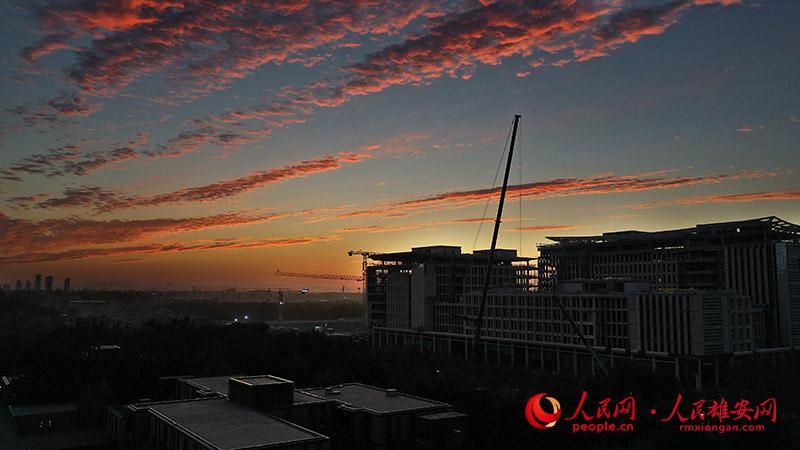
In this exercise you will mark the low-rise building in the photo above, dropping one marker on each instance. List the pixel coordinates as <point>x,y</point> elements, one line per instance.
<point>265,411</point>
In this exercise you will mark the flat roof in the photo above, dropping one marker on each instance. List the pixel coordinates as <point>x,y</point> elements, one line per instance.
<point>220,386</point>
<point>213,384</point>
<point>443,415</point>
<point>258,380</point>
<point>374,399</point>
<point>770,224</point>
<point>227,426</point>
<point>48,408</point>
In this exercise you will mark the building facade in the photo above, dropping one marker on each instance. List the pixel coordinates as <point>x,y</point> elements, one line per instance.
<point>758,258</point>
<point>680,298</point>
<point>402,288</point>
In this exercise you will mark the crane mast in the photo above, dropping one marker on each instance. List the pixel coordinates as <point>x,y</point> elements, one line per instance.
<point>364,257</point>
<point>488,276</point>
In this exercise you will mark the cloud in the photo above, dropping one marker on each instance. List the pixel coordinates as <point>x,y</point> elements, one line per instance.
<point>72,104</point>
<point>203,45</point>
<point>199,46</point>
<point>546,228</point>
<point>105,200</point>
<point>785,195</point>
<point>57,110</point>
<point>156,248</point>
<point>416,226</point>
<point>561,187</point>
<point>41,163</point>
<point>51,234</point>
<point>47,45</point>
<point>456,44</point>
<point>69,160</point>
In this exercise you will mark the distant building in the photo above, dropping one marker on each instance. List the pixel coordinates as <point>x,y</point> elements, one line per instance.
<point>38,283</point>
<point>259,412</point>
<point>28,285</point>
<point>67,282</point>
<point>18,286</point>
<point>48,283</point>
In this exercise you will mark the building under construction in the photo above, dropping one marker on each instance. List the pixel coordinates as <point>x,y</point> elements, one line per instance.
<point>402,288</point>
<point>698,302</point>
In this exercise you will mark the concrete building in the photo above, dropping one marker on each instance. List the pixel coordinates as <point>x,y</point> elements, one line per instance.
<point>403,287</point>
<point>67,283</point>
<point>367,417</point>
<point>688,301</point>
<point>759,258</point>
<point>37,285</point>
<point>48,283</point>
<point>255,412</point>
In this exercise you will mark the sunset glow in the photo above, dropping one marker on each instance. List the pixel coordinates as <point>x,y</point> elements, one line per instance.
<point>153,143</point>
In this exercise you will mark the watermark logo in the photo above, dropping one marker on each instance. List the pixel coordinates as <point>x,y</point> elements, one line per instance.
<point>619,415</point>
<point>536,414</point>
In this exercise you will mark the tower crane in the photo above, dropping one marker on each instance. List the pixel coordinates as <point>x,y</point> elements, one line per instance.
<point>320,276</point>
<point>364,257</point>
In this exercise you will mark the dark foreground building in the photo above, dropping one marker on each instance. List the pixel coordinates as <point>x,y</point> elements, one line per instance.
<point>267,412</point>
<point>700,302</point>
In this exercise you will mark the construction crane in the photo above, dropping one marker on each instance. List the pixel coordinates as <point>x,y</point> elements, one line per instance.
<point>364,257</point>
<point>320,276</point>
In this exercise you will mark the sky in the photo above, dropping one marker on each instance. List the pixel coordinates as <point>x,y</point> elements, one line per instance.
<point>151,143</point>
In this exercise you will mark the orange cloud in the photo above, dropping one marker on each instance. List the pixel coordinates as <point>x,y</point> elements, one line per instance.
<point>562,187</point>
<point>786,195</point>
<point>546,228</point>
<point>148,249</point>
<point>48,234</point>
<point>104,200</point>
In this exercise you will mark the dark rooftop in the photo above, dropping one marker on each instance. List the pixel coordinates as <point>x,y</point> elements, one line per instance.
<point>262,380</point>
<point>376,400</point>
<point>449,252</point>
<point>226,425</point>
<point>213,384</point>
<point>770,225</point>
<point>220,386</point>
<point>48,408</point>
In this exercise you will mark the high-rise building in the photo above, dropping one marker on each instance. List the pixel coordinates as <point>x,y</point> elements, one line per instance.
<point>18,286</point>
<point>48,283</point>
<point>28,285</point>
<point>38,283</point>
<point>67,282</point>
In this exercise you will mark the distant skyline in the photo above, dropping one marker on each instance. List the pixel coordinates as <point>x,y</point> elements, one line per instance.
<point>153,142</point>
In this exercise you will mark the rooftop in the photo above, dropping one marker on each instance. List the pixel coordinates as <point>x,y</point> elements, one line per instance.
<point>446,252</point>
<point>358,396</point>
<point>261,380</point>
<point>764,225</point>
<point>226,425</point>
<point>49,408</point>
<point>213,384</point>
<point>220,386</point>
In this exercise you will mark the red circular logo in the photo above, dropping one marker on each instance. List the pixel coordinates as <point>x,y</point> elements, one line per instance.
<point>537,416</point>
